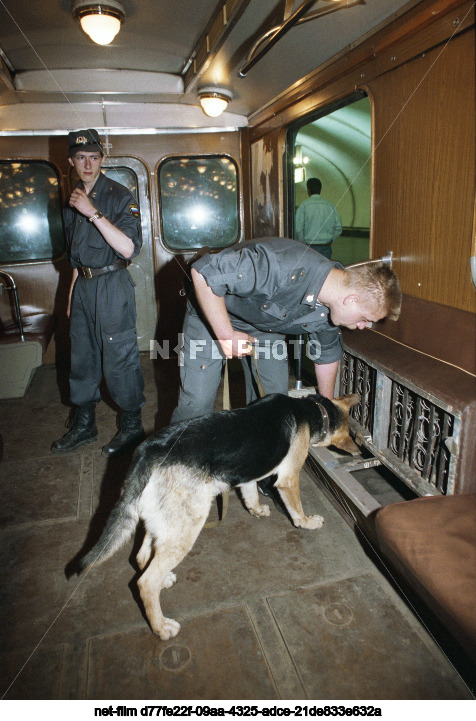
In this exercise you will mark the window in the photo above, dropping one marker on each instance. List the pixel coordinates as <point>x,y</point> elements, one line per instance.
<point>31,222</point>
<point>120,173</point>
<point>124,176</point>
<point>199,202</point>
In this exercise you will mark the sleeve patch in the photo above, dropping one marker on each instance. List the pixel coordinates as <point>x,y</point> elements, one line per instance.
<point>134,210</point>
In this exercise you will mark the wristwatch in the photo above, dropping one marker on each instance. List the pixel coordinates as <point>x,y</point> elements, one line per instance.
<point>96,216</point>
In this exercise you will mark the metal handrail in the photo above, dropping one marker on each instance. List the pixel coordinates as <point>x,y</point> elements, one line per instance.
<point>271,37</point>
<point>12,286</point>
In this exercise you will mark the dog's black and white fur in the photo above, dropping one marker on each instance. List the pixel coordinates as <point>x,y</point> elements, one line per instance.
<point>176,474</point>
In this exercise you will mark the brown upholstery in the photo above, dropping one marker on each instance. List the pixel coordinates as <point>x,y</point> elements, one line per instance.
<point>38,327</point>
<point>431,542</point>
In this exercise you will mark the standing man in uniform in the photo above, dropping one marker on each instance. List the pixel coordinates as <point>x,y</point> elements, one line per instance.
<point>103,234</point>
<point>317,221</point>
<point>257,293</point>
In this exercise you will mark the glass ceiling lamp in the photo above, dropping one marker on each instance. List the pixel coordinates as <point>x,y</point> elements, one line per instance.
<point>214,100</point>
<point>100,20</point>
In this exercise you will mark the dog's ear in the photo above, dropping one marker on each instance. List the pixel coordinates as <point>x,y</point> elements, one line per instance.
<point>349,401</point>
<point>341,438</point>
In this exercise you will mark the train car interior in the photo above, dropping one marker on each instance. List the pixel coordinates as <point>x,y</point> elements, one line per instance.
<point>215,114</point>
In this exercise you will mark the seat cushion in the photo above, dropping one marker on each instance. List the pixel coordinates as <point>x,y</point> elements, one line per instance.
<point>431,541</point>
<point>37,327</point>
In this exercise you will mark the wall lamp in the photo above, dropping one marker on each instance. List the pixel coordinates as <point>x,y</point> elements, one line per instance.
<point>214,100</point>
<point>100,20</point>
<point>300,161</point>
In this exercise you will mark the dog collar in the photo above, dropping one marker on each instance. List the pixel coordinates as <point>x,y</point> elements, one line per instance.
<point>325,417</point>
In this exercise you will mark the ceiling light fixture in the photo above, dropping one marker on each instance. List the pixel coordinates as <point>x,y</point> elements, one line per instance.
<point>214,100</point>
<point>100,20</point>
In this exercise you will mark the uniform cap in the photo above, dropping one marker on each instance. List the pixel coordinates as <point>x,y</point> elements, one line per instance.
<point>84,140</point>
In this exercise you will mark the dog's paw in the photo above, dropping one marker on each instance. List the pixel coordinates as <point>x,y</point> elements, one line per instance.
<point>168,629</point>
<point>309,522</point>
<point>169,580</point>
<point>260,511</point>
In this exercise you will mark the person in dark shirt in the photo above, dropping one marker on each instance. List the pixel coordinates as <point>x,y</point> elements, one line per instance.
<point>253,295</point>
<point>102,227</point>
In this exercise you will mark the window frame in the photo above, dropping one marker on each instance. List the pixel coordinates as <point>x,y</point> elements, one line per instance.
<point>53,258</point>
<point>239,210</point>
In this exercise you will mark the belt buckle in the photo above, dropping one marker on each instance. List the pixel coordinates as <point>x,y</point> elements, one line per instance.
<point>87,273</point>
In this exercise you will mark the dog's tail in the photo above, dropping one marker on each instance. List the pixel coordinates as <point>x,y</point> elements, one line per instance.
<point>124,517</point>
<point>119,528</point>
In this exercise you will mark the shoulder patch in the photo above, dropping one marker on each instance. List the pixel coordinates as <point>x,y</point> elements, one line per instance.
<point>134,210</point>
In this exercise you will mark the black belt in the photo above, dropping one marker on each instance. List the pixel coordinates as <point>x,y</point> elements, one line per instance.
<point>91,272</point>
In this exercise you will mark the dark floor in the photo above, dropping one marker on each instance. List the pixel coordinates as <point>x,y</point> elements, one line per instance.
<point>268,611</point>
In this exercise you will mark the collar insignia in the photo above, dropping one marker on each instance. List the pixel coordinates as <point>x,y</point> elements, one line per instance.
<point>310,298</point>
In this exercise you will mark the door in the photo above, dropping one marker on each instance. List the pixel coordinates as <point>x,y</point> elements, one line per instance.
<point>132,173</point>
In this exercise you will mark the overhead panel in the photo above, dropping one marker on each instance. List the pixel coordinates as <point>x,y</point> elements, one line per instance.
<point>228,13</point>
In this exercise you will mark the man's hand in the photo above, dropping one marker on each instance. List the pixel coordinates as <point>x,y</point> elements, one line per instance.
<point>79,199</point>
<point>114,236</point>
<point>239,345</point>
<point>234,343</point>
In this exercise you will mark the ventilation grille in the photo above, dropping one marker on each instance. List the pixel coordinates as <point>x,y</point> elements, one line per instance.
<point>417,436</point>
<point>409,431</point>
<point>358,377</point>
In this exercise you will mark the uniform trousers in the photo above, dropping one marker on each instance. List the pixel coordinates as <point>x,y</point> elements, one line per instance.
<point>201,363</point>
<point>104,341</point>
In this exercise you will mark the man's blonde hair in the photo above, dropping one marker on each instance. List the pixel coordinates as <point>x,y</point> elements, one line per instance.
<point>377,286</point>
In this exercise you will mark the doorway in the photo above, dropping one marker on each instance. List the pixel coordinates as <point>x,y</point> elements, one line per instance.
<point>132,173</point>
<point>335,146</point>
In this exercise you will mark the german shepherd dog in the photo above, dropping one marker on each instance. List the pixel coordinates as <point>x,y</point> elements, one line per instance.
<point>176,473</point>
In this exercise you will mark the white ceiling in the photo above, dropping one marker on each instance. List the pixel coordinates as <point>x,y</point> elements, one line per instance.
<point>51,61</point>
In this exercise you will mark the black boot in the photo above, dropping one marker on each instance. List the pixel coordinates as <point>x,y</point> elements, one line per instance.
<point>129,435</point>
<point>82,430</point>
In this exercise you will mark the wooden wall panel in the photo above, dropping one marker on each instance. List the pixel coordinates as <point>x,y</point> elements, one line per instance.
<point>420,75</point>
<point>265,186</point>
<point>424,171</point>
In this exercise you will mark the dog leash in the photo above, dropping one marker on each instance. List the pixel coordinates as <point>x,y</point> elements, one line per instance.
<point>258,379</point>
<point>226,494</point>
<point>226,407</point>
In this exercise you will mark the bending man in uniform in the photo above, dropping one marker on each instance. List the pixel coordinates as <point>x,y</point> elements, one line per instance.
<point>103,233</point>
<point>259,292</point>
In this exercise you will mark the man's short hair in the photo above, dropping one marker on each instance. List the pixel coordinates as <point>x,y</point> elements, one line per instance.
<point>377,286</point>
<point>87,140</point>
<point>314,186</point>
